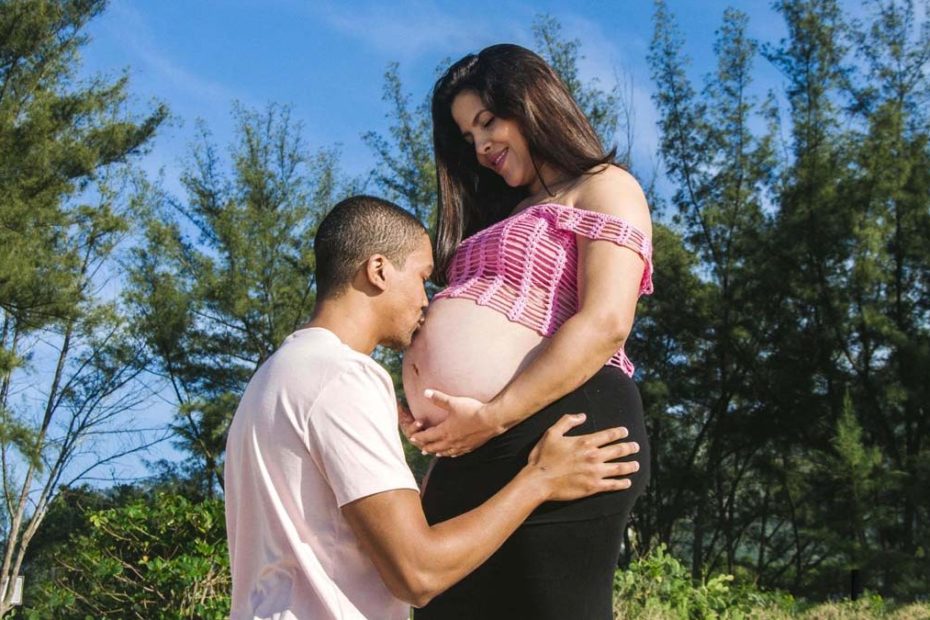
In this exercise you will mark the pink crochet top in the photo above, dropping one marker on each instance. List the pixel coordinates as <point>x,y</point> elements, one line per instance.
<point>525,266</point>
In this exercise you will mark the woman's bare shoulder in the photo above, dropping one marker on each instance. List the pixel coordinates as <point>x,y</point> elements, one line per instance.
<point>614,191</point>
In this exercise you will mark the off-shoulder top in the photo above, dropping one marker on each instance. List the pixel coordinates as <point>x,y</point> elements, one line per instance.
<point>525,266</point>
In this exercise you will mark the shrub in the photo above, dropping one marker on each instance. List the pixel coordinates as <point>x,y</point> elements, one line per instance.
<point>658,587</point>
<point>153,558</point>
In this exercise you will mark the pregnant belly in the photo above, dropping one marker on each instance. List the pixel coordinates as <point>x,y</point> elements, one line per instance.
<point>464,349</point>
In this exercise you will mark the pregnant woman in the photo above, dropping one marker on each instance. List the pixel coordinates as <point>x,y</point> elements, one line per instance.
<point>543,244</point>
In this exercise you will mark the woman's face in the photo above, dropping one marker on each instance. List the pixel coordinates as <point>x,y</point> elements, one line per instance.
<point>499,143</point>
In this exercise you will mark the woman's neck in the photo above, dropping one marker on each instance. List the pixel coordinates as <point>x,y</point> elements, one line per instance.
<point>556,182</point>
<point>547,179</point>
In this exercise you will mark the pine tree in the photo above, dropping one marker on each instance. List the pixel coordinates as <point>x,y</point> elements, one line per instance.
<point>64,144</point>
<point>721,170</point>
<point>405,170</point>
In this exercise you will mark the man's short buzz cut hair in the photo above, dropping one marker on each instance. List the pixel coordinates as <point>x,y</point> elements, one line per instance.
<point>353,231</point>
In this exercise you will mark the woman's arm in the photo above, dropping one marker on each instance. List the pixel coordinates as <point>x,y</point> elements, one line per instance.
<point>608,288</point>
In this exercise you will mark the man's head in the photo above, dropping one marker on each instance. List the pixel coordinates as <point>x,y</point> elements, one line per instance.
<point>373,246</point>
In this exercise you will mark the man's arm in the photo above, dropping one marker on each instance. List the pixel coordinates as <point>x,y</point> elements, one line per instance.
<point>418,561</point>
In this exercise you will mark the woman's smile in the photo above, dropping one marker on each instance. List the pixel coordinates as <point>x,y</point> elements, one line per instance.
<point>497,161</point>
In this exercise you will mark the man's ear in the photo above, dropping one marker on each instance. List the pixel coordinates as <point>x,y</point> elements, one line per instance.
<point>377,271</point>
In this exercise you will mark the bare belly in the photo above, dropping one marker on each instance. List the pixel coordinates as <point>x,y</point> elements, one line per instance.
<point>464,349</point>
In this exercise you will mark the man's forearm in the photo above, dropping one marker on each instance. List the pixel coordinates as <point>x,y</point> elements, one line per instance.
<point>454,548</point>
<point>417,561</point>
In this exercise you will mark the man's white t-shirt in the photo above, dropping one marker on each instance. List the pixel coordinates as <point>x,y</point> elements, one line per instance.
<point>315,430</point>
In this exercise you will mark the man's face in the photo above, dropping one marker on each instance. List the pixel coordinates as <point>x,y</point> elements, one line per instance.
<point>407,300</point>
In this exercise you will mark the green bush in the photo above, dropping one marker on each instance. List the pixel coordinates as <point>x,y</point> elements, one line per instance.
<point>154,558</point>
<point>657,586</point>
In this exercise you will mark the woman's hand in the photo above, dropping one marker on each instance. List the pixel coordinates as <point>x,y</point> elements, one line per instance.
<point>469,425</point>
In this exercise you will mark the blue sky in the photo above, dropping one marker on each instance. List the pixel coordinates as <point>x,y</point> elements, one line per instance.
<point>327,59</point>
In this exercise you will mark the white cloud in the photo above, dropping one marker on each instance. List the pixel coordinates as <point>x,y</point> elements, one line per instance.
<point>407,32</point>
<point>415,28</point>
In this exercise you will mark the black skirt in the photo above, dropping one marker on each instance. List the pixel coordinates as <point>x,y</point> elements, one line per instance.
<point>560,562</point>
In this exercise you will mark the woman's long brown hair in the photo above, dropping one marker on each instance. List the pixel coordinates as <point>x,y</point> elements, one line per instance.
<point>513,83</point>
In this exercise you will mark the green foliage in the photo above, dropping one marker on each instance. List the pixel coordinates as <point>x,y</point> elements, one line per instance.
<point>720,168</point>
<point>405,170</point>
<point>56,136</point>
<point>789,428</point>
<point>65,193</point>
<point>153,557</point>
<point>659,586</point>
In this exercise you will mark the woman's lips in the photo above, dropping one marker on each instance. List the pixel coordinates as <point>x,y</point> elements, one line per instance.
<point>498,160</point>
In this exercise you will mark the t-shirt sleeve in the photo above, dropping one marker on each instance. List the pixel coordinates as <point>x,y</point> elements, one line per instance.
<point>353,429</point>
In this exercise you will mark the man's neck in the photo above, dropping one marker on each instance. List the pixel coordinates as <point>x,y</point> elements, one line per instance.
<point>351,322</point>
